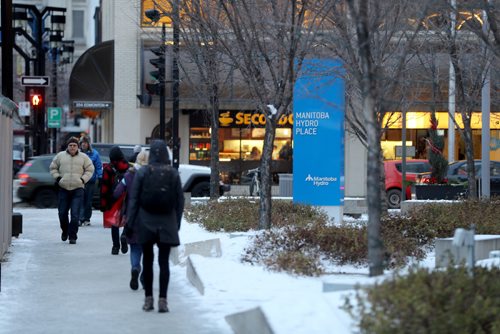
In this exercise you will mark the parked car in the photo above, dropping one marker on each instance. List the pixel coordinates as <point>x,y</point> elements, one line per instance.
<point>37,186</point>
<point>393,178</point>
<point>17,158</point>
<point>457,173</point>
<point>195,179</point>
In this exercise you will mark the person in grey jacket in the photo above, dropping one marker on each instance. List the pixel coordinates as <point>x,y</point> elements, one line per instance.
<point>154,228</point>
<point>71,169</point>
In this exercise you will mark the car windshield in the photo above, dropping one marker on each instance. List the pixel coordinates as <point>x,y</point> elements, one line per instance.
<point>415,167</point>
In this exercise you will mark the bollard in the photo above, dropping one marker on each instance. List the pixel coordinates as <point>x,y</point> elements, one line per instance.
<point>17,224</point>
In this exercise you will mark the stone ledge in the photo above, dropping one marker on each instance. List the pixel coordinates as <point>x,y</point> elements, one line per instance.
<point>249,322</point>
<point>407,206</point>
<point>484,244</point>
<point>193,276</point>
<point>207,248</point>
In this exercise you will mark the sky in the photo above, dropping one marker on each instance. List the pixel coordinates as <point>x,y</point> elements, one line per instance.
<point>47,283</point>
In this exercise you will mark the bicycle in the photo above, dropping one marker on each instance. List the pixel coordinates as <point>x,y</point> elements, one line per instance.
<point>255,182</point>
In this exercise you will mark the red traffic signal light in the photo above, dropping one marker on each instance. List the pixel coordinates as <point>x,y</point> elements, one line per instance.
<point>36,100</point>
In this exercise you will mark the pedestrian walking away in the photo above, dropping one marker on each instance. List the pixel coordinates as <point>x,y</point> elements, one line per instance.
<point>72,170</point>
<point>125,186</point>
<point>86,211</point>
<point>112,174</point>
<point>156,208</point>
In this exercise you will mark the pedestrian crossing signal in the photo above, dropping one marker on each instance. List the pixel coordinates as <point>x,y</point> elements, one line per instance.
<point>36,100</point>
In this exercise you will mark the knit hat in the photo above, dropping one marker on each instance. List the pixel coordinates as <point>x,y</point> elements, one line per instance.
<point>72,140</point>
<point>137,148</point>
<point>84,139</point>
<point>116,154</point>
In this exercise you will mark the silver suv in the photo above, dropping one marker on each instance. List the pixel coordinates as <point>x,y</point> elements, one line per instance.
<point>195,179</point>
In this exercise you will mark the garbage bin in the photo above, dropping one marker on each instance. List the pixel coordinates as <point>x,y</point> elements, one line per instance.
<point>17,224</point>
<point>285,185</point>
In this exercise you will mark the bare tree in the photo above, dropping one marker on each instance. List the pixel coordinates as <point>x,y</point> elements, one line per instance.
<point>374,39</point>
<point>200,39</point>
<point>269,40</point>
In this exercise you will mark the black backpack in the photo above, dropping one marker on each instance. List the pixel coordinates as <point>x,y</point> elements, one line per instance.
<point>158,194</point>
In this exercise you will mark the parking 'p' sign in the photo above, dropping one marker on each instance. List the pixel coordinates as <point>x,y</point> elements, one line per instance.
<point>54,117</point>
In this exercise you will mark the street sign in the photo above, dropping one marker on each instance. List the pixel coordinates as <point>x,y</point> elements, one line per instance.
<point>24,108</point>
<point>54,117</point>
<point>40,81</point>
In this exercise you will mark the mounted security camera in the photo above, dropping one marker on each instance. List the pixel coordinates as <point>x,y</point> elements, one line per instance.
<point>153,15</point>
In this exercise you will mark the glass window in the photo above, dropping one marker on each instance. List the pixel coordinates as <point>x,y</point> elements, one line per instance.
<point>78,22</point>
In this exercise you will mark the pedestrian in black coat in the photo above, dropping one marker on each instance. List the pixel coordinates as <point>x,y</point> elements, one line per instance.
<point>154,228</point>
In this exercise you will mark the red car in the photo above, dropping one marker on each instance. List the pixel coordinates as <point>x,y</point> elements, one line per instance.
<point>393,178</point>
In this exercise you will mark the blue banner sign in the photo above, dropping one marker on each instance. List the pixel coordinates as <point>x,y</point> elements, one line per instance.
<point>318,131</point>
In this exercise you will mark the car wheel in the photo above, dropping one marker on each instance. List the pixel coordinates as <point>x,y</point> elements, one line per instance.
<point>394,198</point>
<point>46,198</point>
<point>201,189</point>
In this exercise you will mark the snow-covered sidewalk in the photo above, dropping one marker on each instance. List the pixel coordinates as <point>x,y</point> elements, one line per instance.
<point>50,286</point>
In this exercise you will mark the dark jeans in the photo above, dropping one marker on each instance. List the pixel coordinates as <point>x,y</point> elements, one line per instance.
<point>147,267</point>
<point>115,236</point>
<point>86,211</point>
<point>70,200</point>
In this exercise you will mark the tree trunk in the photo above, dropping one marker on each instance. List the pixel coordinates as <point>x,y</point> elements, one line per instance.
<point>373,197</point>
<point>214,143</point>
<point>469,155</point>
<point>265,170</point>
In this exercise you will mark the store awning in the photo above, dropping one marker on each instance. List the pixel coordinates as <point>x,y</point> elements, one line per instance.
<point>91,79</point>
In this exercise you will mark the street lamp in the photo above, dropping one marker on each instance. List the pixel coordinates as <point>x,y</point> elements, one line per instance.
<point>154,15</point>
<point>25,16</point>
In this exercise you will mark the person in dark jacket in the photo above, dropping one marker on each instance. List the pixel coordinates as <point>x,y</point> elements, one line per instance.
<point>111,175</point>
<point>153,228</point>
<point>86,212</point>
<point>125,186</point>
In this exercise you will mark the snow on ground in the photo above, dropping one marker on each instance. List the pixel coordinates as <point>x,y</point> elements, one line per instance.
<point>291,304</point>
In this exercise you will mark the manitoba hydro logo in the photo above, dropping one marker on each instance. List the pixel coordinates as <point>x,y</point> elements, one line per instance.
<point>320,181</point>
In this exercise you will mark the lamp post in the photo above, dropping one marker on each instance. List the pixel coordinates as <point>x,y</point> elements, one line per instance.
<point>154,15</point>
<point>30,15</point>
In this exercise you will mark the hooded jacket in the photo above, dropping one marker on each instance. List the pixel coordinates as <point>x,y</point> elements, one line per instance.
<point>153,227</point>
<point>111,174</point>
<point>96,160</point>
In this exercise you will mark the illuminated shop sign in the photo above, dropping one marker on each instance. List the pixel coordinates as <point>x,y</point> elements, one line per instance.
<point>244,119</point>
<point>318,151</point>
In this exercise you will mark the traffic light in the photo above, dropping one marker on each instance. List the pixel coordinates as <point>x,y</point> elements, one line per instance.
<point>36,100</point>
<point>159,74</point>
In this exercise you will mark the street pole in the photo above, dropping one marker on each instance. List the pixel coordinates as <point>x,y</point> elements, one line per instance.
<point>175,85</point>
<point>162,83</point>
<point>7,48</point>
<point>451,90</point>
<point>54,96</point>
<point>485,119</point>
<point>39,131</point>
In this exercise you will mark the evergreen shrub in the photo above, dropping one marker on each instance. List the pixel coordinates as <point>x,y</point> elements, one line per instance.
<point>423,301</point>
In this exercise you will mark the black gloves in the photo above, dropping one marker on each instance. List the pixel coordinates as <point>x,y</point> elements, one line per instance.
<point>57,181</point>
<point>128,231</point>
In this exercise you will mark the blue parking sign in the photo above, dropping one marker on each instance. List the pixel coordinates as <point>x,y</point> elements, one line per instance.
<point>318,130</point>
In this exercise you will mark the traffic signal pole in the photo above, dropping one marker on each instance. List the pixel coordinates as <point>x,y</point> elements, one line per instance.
<point>175,85</point>
<point>162,82</point>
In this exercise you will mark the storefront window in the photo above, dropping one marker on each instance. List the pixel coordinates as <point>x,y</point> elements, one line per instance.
<point>241,142</point>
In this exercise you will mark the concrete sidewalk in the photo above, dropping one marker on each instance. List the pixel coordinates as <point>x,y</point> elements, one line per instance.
<point>50,286</point>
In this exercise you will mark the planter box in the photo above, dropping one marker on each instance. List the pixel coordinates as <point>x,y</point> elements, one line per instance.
<point>440,191</point>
